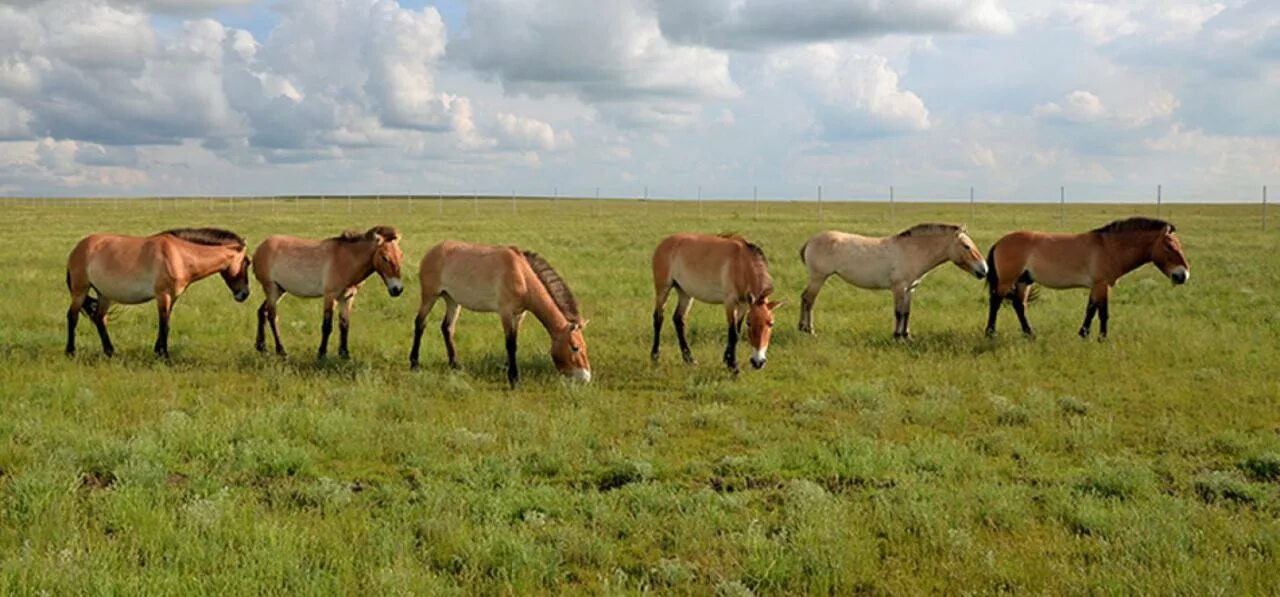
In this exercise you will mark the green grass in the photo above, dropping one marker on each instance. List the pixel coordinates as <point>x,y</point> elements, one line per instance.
<point>1147,463</point>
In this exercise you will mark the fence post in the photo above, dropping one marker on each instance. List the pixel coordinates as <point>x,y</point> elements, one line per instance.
<point>699,201</point>
<point>892,216</point>
<point>597,201</point>
<point>440,202</point>
<point>1062,203</point>
<point>348,202</point>
<point>1158,200</point>
<point>1264,207</point>
<point>513,201</point>
<point>972,213</point>
<point>555,201</point>
<point>820,214</point>
<point>475,202</point>
<point>755,198</point>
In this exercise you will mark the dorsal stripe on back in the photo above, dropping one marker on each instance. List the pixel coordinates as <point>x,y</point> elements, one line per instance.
<point>213,237</point>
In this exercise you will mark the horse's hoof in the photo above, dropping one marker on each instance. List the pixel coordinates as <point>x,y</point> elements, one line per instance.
<point>688,359</point>
<point>455,366</point>
<point>414,366</point>
<point>991,333</point>
<point>260,347</point>
<point>653,356</point>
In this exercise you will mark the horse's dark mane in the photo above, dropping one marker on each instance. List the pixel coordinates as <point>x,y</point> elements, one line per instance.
<point>213,237</point>
<point>754,248</point>
<point>930,230</point>
<point>1136,224</point>
<point>351,236</point>
<point>555,285</point>
<point>759,261</point>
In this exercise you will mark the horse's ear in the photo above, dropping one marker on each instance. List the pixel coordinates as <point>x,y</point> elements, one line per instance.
<point>775,304</point>
<point>1168,229</point>
<point>764,295</point>
<point>583,323</point>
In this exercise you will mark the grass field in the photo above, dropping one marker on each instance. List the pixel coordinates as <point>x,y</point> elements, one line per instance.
<point>1147,463</point>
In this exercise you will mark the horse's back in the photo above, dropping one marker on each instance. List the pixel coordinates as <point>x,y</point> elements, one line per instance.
<point>864,261</point>
<point>298,265</point>
<point>1051,259</point>
<point>121,268</point>
<point>475,276</point>
<point>700,264</point>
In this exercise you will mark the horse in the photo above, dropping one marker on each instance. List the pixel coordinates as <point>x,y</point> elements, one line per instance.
<point>131,270</point>
<point>333,268</point>
<point>723,269</point>
<point>1094,260</point>
<point>898,263</point>
<point>510,282</point>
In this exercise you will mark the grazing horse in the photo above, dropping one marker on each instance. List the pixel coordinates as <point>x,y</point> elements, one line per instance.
<point>333,268</point>
<point>131,270</point>
<point>510,282</point>
<point>724,269</point>
<point>1094,260</point>
<point>896,263</point>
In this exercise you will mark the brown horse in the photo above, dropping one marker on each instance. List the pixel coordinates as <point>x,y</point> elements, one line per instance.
<point>131,270</point>
<point>896,263</point>
<point>333,268</point>
<point>724,269</point>
<point>510,282</point>
<point>1094,260</point>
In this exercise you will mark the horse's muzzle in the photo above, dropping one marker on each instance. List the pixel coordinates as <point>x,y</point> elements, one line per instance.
<point>980,271</point>
<point>395,287</point>
<point>1180,275</point>
<point>242,295</point>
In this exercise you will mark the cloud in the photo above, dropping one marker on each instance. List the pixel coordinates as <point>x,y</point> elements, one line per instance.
<point>1136,109</point>
<point>610,54</point>
<point>751,24</point>
<point>529,133</point>
<point>857,94</point>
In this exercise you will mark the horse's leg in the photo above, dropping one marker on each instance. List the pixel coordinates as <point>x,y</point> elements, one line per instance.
<point>1020,293</point>
<point>661,291</point>
<point>1089,311</point>
<point>100,321</point>
<point>326,325</point>
<point>807,299</point>
<point>344,324</point>
<point>272,305</point>
<point>901,307</point>
<point>263,313</point>
<point>1101,296</point>
<point>451,311</point>
<point>73,318</point>
<point>419,324</point>
<point>684,301</point>
<point>731,347</point>
<point>511,329</point>
<point>164,306</point>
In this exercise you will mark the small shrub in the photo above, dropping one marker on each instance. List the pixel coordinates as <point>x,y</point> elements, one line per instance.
<point>1263,467</point>
<point>622,472</point>
<point>1219,486</point>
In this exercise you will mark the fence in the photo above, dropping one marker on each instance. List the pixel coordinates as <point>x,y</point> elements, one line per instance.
<point>887,209</point>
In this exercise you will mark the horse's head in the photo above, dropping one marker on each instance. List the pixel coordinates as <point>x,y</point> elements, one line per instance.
<point>387,257</point>
<point>760,326</point>
<point>236,275</point>
<point>569,351</point>
<point>1167,255</point>
<point>965,254</point>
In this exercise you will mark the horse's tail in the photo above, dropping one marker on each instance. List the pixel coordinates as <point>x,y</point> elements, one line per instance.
<point>993,280</point>
<point>803,249</point>
<point>90,305</point>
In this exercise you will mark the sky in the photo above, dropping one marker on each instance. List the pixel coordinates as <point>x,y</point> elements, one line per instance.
<point>1014,99</point>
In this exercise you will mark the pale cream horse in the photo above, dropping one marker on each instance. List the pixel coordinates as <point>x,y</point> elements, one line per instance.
<point>896,263</point>
<point>507,281</point>
<point>332,268</point>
